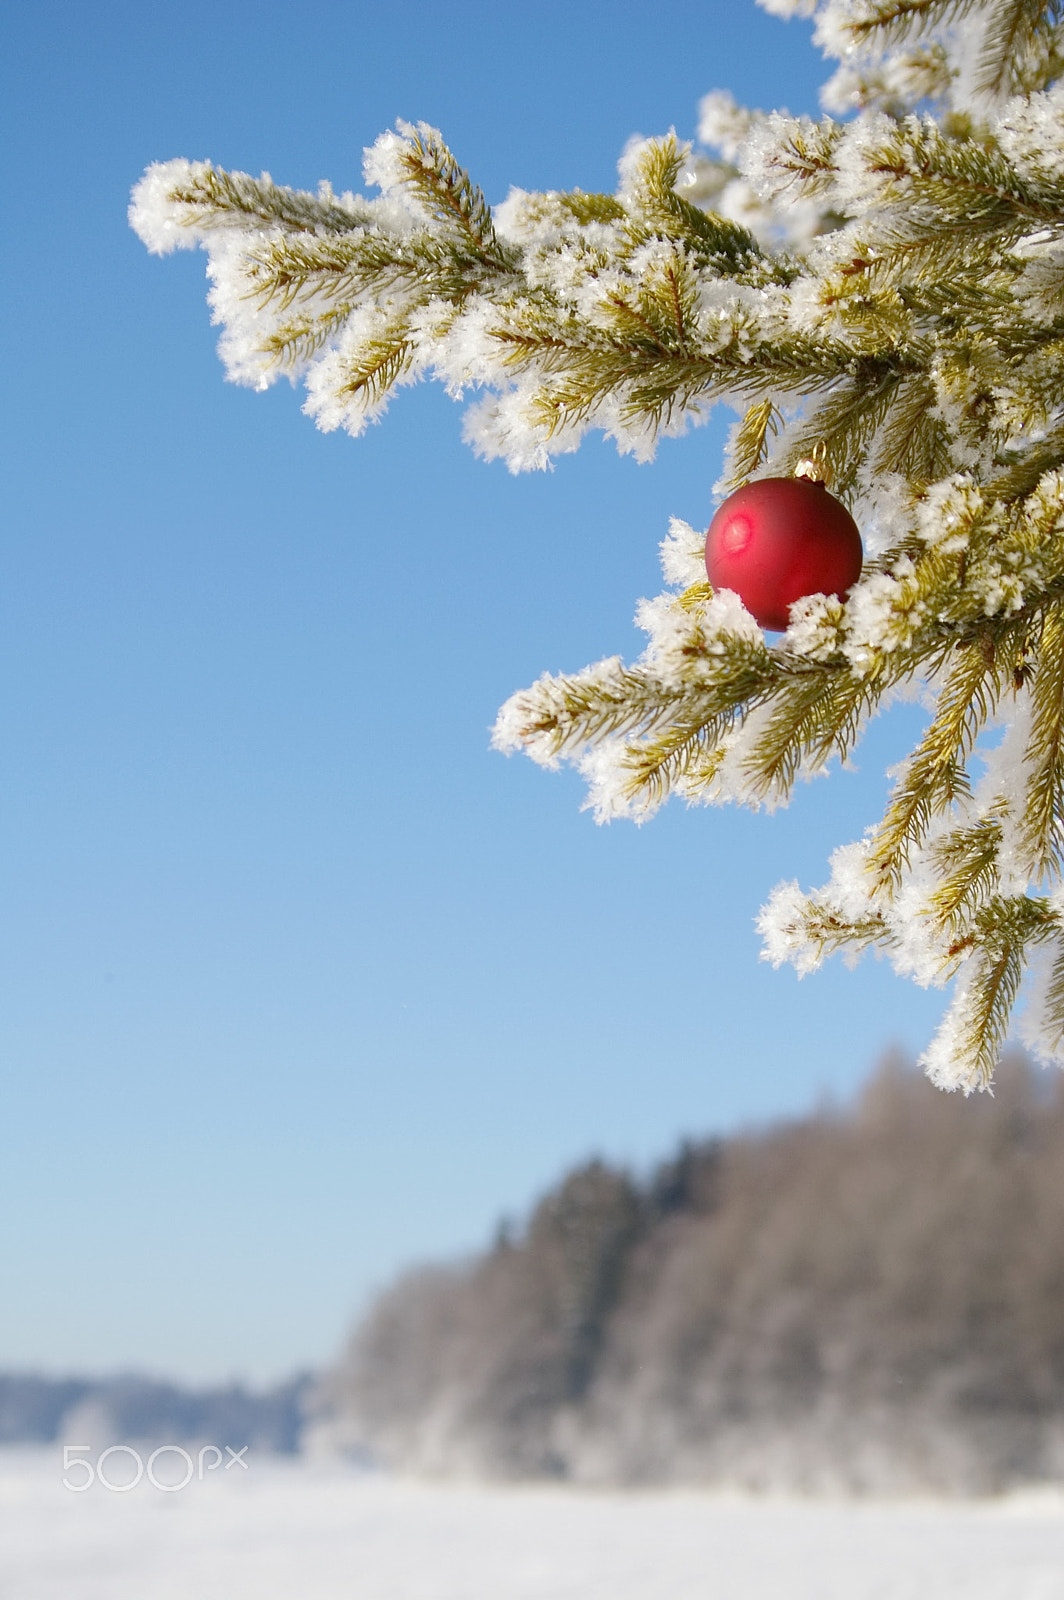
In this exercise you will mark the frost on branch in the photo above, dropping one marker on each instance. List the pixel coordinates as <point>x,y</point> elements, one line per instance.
<point>884,288</point>
<point>566,312</point>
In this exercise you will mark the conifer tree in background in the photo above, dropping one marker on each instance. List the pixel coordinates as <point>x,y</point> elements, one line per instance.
<point>884,289</point>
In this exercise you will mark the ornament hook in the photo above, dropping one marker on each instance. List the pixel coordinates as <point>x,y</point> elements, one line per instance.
<point>815,465</point>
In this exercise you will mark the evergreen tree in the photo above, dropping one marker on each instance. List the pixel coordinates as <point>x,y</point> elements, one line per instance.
<point>883,290</point>
<point>867,1300</point>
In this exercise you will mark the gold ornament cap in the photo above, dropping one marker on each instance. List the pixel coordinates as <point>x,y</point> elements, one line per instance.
<point>814,467</point>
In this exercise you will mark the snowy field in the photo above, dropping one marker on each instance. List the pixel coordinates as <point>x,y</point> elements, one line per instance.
<point>285,1531</point>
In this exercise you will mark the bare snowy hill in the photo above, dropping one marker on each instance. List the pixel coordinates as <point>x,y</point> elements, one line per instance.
<point>284,1530</point>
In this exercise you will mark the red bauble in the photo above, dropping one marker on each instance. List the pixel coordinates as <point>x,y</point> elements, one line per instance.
<point>779,539</point>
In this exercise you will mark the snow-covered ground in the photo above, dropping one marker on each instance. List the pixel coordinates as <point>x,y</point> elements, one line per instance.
<point>287,1531</point>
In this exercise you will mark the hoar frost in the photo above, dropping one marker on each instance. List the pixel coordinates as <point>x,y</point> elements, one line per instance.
<point>884,292</point>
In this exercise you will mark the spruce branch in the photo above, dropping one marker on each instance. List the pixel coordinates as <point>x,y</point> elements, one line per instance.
<point>1004,930</point>
<point>936,776</point>
<point>751,440</point>
<point>844,424</point>
<point>896,19</point>
<point>820,930</point>
<point>959,182</point>
<point>896,306</point>
<point>1044,808</point>
<point>688,755</point>
<point>912,440</point>
<point>205,198</point>
<point>448,195</point>
<point>966,861</point>
<point>804,156</point>
<point>812,717</point>
<point>380,363</point>
<point>656,209</point>
<point>1019,477</point>
<point>297,341</point>
<point>1011,38</point>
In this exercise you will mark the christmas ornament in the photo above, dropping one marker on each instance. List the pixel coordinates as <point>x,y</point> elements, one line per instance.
<point>779,539</point>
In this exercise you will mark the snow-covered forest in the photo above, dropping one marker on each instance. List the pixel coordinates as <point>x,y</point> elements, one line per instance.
<point>864,1300</point>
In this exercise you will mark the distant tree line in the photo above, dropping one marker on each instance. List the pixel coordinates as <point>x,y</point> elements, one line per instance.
<point>868,1300</point>
<point>129,1409</point>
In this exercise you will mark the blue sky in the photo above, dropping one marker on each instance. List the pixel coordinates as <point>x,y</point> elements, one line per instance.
<point>300,982</point>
